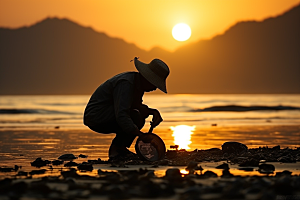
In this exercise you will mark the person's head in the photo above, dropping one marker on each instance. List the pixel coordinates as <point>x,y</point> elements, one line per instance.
<point>154,74</point>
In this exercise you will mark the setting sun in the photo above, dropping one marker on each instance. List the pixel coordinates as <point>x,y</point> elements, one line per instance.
<point>181,32</point>
<point>182,135</point>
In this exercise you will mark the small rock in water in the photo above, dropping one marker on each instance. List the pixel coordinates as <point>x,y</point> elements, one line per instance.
<point>247,169</point>
<point>286,159</point>
<point>39,162</point>
<point>71,173</point>
<point>226,173</point>
<point>266,168</point>
<point>57,162</point>
<point>192,165</point>
<point>209,174</point>
<point>82,156</point>
<point>85,167</point>
<point>234,147</point>
<point>276,147</point>
<point>41,171</point>
<point>71,164</point>
<point>173,173</point>
<point>284,173</point>
<point>6,169</point>
<point>21,173</point>
<point>67,157</point>
<point>223,166</point>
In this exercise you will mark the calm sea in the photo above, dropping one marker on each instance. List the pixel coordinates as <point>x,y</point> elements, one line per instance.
<point>48,126</point>
<point>65,112</point>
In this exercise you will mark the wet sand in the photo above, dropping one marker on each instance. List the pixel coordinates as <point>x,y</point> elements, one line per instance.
<point>167,179</point>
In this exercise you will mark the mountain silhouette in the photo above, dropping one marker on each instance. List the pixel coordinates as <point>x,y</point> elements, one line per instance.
<point>58,56</point>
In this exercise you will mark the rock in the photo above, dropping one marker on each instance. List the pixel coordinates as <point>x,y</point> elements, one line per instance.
<point>57,162</point>
<point>234,147</point>
<point>276,147</point>
<point>71,173</point>
<point>173,173</point>
<point>226,174</point>
<point>209,174</point>
<point>82,156</point>
<point>34,172</point>
<point>266,168</point>
<point>286,159</point>
<point>284,173</point>
<point>192,165</point>
<point>85,167</point>
<point>247,169</point>
<point>67,157</point>
<point>6,169</point>
<point>71,164</point>
<point>223,166</point>
<point>21,173</point>
<point>170,154</point>
<point>39,162</point>
<point>98,161</point>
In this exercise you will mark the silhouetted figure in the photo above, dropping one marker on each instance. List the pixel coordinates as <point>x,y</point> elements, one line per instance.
<point>116,105</point>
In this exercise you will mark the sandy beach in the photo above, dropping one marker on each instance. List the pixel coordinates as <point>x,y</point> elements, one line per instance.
<point>223,175</point>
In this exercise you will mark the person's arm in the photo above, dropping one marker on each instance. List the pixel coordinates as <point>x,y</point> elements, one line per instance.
<point>123,98</point>
<point>156,119</point>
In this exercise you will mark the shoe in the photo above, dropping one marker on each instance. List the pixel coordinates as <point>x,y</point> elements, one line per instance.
<point>123,155</point>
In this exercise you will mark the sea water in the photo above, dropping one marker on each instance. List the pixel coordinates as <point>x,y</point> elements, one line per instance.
<point>66,112</point>
<point>48,126</point>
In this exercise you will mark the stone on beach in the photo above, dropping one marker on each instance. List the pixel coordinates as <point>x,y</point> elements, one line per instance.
<point>67,157</point>
<point>85,167</point>
<point>266,168</point>
<point>224,166</point>
<point>71,164</point>
<point>39,162</point>
<point>234,147</point>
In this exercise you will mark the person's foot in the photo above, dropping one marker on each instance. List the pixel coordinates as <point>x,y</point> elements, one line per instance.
<point>119,153</point>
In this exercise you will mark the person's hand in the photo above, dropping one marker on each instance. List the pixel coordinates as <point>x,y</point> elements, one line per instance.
<point>138,133</point>
<point>156,119</point>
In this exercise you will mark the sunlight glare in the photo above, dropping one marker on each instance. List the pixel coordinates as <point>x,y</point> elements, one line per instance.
<point>182,135</point>
<point>181,32</point>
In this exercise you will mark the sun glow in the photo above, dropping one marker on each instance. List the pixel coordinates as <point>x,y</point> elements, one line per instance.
<point>182,135</point>
<point>181,32</point>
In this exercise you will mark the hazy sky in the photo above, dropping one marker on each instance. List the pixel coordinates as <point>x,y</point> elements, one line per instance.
<point>146,23</point>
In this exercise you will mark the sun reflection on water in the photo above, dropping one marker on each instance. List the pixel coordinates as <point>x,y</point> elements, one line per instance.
<point>182,135</point>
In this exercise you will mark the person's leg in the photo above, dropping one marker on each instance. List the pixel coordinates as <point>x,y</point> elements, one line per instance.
<point>123,140</point>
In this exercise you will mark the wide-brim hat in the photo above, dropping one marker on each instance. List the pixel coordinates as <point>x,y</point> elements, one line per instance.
<point>156,72</point>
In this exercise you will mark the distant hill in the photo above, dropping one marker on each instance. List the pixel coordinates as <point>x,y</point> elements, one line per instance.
<point>58,56</point>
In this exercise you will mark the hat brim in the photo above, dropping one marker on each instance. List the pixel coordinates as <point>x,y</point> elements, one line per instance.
<point>150,76</point>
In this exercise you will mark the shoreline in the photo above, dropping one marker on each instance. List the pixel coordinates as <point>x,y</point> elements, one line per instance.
<point>166,179</point>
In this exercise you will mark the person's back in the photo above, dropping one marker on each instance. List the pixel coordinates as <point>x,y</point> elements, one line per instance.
<point>101,106</point>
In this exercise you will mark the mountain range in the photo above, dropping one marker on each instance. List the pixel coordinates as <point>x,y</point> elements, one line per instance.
<point>58,56</point>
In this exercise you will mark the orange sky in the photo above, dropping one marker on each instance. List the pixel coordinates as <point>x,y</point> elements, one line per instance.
<point>146,23</point>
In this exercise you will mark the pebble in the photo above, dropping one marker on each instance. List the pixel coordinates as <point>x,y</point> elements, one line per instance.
<point>85,167</point>
<point>173,173</point>
<point>223,166</point>
<point>266,168</point>
<point>71,164</point>
<point>39,162</point>
<point>234,147</point>
<point>67,157</point>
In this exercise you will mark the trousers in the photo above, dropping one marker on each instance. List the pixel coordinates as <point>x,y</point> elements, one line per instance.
<point>121,138</point>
